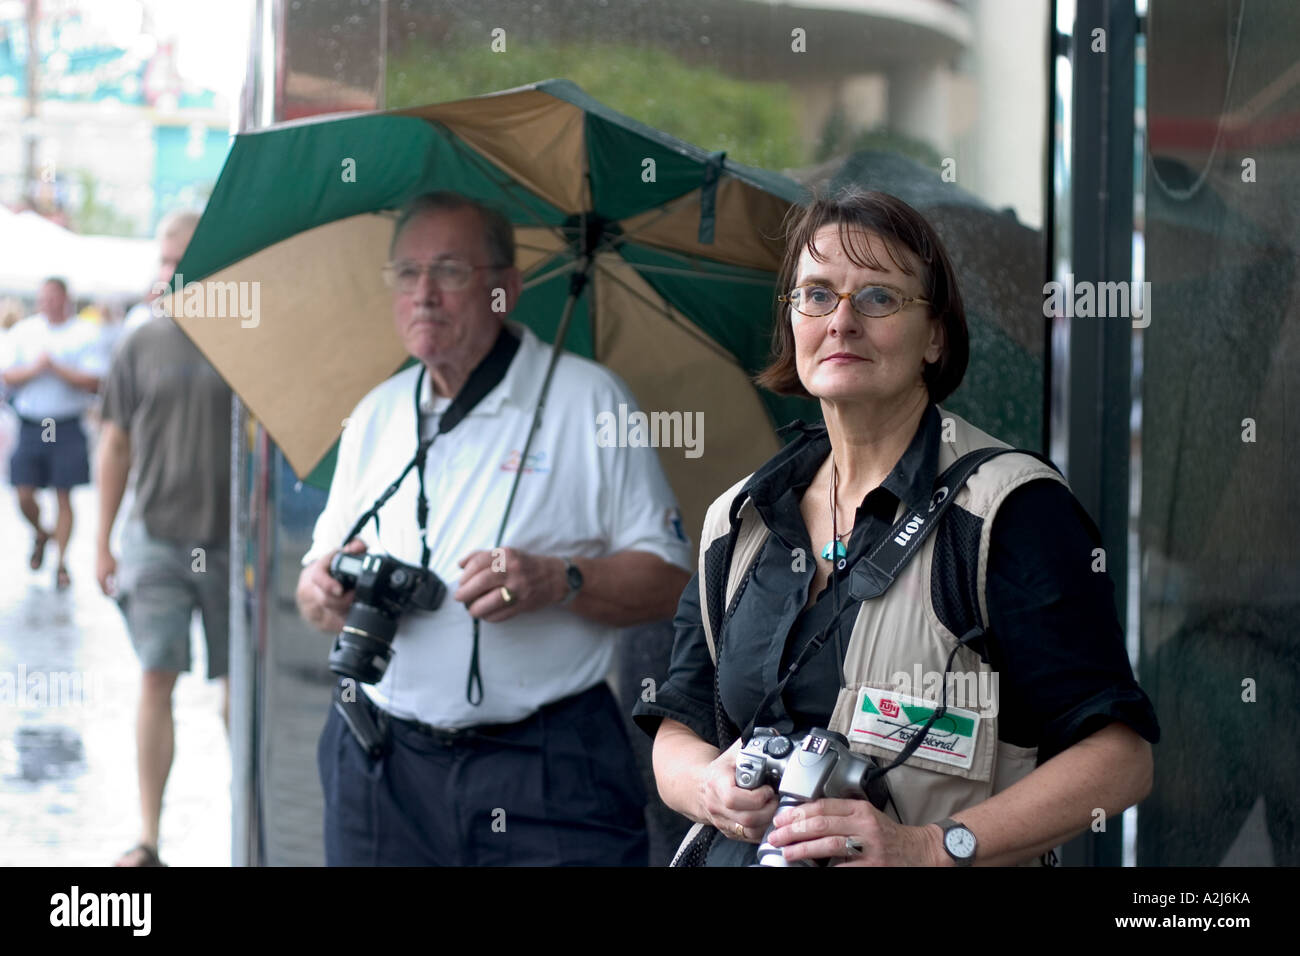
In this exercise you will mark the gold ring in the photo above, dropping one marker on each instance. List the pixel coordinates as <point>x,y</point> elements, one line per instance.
<point>506,596</point>
<point>740,830</point>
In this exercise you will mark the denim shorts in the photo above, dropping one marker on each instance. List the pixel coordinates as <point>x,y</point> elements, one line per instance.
<point>53,457</point>
<point>159,586</point>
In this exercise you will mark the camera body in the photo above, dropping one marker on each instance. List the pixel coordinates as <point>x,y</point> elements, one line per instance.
<point>385,589</point>
<point>821,764</point>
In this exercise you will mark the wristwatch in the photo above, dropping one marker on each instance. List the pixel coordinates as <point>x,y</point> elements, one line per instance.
<point>958,841</point>
<point>574,577</point>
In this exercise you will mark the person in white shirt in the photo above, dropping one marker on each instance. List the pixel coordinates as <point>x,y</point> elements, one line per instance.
<point>501,743</point>
<point>52,368</point>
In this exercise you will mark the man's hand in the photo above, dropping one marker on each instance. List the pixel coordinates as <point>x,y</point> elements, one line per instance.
<point>17,376</point>
<point>534,581</point>
<point>731,808</point>
<point>321,600</point>
<point>106,572</point>
<point>74,377</point>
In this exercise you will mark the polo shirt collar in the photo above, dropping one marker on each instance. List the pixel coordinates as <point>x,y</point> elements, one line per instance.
<point>911,480</point>
<point>519,387</point>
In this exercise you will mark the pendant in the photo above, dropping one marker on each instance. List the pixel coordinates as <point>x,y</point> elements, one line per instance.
<point>840,550</point>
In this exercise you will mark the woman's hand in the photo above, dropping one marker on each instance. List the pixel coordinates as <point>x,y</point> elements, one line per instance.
<point>740,814</point>
<point>823,829</point>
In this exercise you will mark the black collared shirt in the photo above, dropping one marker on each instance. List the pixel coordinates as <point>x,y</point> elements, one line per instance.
<point>1054,637</point>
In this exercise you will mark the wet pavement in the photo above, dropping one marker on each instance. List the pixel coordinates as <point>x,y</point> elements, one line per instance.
<point>69,682</point>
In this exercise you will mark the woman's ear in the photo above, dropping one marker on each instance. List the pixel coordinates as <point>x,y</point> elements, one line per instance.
<point>938,341</point>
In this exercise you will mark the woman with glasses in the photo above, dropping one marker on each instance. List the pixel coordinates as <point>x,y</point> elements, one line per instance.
<point>988,674</point>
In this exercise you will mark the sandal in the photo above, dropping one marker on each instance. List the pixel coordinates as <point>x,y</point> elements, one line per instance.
<point>61,579</point>
<point>146,854</point>
<point>38,550</point>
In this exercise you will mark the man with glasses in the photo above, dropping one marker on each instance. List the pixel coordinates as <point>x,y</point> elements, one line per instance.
<point>500,742</point>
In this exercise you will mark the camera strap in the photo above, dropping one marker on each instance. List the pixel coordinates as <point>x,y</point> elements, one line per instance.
<point>874,573</point>
<point>486,376</point>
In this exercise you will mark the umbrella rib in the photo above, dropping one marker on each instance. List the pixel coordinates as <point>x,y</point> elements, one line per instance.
<point>699,274</point>
<point>667,311</point>
<point>624,237</point>
<point>498,177</point>
<point>538,279</point>
<point>660,212</point>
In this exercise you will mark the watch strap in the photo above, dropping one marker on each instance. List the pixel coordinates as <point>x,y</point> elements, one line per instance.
<point>570,569</point>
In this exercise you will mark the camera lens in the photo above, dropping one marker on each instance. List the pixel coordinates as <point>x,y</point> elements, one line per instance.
<point>365,645</point>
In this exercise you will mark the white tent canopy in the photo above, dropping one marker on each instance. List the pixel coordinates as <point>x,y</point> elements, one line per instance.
<point>94,266</point>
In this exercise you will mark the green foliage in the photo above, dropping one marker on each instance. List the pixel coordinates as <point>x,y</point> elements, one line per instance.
<point>753,122</point>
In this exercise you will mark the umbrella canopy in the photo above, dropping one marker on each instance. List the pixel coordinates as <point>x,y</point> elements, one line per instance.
<point>682,247</point>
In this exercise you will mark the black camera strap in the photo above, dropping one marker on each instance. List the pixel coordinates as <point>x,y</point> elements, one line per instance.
<point>874,573</point>
<point>486,376</point>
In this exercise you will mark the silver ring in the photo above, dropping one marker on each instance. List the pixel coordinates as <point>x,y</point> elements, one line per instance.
<point>507,596</point>
<point>852,846</point>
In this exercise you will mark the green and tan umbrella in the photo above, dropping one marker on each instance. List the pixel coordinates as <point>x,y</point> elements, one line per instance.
<point>680,247</point>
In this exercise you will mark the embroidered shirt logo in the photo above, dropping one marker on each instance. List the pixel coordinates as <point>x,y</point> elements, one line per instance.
<point>536,463</point>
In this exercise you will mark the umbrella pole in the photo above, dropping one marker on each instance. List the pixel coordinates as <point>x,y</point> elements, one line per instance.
<point>577,282</point>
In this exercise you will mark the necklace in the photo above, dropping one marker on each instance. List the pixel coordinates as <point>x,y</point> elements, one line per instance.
<point>835,549</point>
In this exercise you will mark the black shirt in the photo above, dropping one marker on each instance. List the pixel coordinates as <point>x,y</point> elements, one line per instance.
<point>1054,637</point>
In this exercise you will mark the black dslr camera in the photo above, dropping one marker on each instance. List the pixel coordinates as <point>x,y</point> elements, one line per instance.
<point>385,589</point>
<point>821,765</point>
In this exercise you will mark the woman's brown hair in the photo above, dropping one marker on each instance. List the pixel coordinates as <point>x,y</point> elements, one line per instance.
<point>900,227</point>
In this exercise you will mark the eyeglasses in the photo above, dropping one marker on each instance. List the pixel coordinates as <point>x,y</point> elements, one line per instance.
<point>447,275</point>
<point>873,301</point>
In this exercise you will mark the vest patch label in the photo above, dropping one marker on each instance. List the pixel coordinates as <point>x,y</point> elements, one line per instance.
<point>888,719</point>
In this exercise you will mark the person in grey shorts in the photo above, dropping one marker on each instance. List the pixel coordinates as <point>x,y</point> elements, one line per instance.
<point>167,413</point>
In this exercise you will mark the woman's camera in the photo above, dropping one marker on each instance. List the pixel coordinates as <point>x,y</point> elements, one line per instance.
<point>819,765</point>
<point>385,589</point>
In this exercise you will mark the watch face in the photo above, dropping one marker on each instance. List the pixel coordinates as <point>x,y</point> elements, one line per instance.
<point>574,576</point>
<point>960,842</point>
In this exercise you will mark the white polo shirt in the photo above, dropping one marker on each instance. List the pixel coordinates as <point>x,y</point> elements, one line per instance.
<point>575,499</point>
<point>73,342</point>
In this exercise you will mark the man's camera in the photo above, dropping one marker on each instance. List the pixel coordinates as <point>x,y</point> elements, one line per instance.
<point>819,765</point>
<point>385,589</point>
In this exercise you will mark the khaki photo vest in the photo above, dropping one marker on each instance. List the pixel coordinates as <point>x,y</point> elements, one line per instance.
<point>899,646</point>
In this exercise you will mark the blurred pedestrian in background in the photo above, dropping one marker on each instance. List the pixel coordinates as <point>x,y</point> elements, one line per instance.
<point>174,234</point>
<point>167,413</point>
<point>52,367</point>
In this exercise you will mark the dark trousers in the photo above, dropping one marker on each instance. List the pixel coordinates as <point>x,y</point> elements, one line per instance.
<point>559,788</point>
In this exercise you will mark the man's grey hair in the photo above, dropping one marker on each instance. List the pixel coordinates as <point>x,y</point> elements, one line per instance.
<point>498,233</point>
